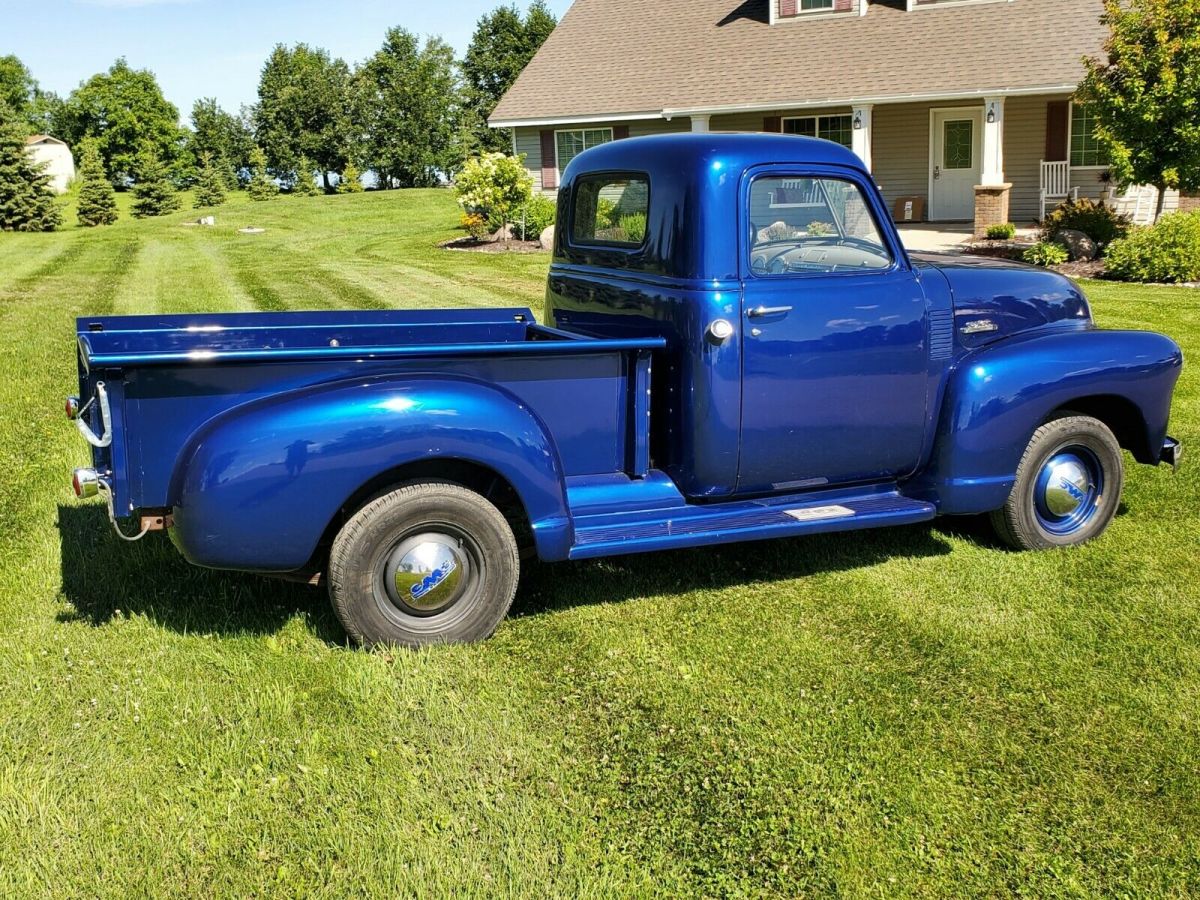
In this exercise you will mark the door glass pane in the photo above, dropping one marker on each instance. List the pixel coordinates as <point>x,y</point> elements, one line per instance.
<point>958,144</point>
<point>812,226</point>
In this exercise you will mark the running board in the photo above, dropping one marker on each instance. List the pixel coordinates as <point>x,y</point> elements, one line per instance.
<point>748,520</point>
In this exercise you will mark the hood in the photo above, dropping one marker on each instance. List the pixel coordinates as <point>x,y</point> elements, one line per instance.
<point>997,298</point>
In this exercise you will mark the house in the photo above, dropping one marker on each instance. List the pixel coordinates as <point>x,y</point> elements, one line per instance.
<point>56,156</point>
<point>962,104</point>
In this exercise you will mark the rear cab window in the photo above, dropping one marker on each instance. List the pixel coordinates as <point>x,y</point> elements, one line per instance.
<point>816,225</point>
<point>610,210</point>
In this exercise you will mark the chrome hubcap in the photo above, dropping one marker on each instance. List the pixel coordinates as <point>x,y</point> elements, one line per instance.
<point>1068,490</point>
<point>426,573</point>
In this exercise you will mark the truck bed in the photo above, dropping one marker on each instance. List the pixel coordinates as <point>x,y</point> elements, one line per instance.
<point>168,376</point>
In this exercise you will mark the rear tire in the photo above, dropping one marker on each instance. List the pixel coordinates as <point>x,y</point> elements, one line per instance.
<point>424,564</point>
<point>1067,489</point>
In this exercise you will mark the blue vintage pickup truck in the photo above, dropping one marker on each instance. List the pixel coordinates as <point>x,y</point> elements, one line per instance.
<point>736,346</point>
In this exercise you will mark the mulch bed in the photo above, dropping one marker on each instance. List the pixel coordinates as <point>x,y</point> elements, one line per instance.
<point>470,244</point>
<point>1082,269</point>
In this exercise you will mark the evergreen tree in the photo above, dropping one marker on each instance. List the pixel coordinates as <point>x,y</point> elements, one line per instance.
<point>349,183</point>
<point>303,183</point>
<point>262,186</point>
<point>26,200</point>
<point>210,186</point>
<point>97,200</point>
<point>156,195</point>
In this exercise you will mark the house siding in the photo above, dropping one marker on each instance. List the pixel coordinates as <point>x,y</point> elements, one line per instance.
<point>528,141</point>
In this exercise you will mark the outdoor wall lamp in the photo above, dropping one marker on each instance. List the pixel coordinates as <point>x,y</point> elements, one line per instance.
<point>858,121</point>
<point>991,114</point>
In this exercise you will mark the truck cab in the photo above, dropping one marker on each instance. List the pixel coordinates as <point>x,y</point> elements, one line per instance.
<point>736,346</point>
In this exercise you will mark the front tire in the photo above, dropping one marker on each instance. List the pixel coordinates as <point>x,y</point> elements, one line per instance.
<point>1067,489</point>
<point>426,563</point>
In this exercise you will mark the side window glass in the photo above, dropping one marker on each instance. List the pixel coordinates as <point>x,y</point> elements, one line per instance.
<point>610,210</point>
<point>818,225</point>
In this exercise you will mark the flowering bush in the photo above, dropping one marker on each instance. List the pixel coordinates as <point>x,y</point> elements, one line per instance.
<point>493,186</point>
<point>475,225</point>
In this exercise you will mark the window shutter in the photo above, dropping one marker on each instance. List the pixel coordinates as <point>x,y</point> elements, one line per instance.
<point>787,7</point>
<point>549,167</point>
<point>1057,112</point>
<point>620,132</point>
<point>773,124</point>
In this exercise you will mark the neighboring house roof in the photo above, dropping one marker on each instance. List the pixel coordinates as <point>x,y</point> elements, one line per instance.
<point>621,59</point>
<point>43,139</point>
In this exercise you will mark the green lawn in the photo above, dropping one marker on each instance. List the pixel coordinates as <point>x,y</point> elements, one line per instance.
<point>912,712</point>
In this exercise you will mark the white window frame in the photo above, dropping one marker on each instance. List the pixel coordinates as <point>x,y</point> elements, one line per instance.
<point>1070,131</point>
<point>817,122</point>
<point>558,168</point>
<point>912,5</point>
<point>858,8</point>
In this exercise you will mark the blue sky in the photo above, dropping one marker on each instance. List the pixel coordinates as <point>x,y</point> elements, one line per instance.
<point>213,48</point>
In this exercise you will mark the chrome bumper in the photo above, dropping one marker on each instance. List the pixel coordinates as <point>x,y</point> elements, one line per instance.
<point>1172,453</point>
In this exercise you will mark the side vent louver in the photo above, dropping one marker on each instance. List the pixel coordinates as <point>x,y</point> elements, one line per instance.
<point>941,333</point>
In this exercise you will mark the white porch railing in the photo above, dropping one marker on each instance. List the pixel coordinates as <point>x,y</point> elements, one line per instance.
<point>1055,184</point>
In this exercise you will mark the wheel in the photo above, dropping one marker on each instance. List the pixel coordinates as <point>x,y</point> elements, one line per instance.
<point>1067,489</point>
<point>427,563</point>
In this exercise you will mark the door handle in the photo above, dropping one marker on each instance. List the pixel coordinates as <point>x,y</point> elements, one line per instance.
<point>759,311</point>
<point>937,171</point>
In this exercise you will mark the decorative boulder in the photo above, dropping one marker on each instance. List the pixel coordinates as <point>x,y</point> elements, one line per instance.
<point>1081,247</point>
<point>503,233</point>
<point>546,238</point>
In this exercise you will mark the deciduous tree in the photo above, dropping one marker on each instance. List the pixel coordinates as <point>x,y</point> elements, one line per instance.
<point>125,110</point>
<point>303,109</point>
<point>406,101</point>
<point>223,136</point>
<point>97,201</point>
<point>1146,93</point>
<point>503,44</point>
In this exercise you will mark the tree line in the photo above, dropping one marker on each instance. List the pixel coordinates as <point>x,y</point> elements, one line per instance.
<point>411,113</point>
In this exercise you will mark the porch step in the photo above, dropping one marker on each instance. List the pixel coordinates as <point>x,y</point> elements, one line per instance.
<point>747,520</point>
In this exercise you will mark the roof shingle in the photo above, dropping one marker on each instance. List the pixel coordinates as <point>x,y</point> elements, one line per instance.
<point>625,57</point>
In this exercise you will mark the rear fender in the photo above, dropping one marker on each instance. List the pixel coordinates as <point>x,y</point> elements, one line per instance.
<point>257,487</point>
<point>996,397</point>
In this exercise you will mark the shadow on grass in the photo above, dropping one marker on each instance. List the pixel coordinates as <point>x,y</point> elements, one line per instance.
<point>104,577</point>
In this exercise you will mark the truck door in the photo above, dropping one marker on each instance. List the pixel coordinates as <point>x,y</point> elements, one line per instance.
<point>835,353</point>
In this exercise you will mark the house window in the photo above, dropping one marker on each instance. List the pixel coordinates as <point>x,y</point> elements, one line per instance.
<point>808,5</point>
<point>838,129</point>
<point>569,144</point>
<point>1085,148</point>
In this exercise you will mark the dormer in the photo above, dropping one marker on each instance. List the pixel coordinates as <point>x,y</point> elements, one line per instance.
<point>801,10</point>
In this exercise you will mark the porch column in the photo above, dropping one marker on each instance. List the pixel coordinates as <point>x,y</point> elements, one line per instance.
<point>860,136</point>
<point>993,142</point>
<point>700,123</point>
<point>992,192</point>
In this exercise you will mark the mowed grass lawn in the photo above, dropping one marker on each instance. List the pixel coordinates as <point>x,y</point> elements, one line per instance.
<point>911,712</point>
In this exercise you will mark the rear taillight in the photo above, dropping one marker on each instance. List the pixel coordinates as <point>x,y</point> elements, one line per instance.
<point>72,408</point>
<point>85,482</point>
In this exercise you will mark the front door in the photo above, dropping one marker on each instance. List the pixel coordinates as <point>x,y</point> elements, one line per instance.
<point>956,143</point>
<point>834,349</point>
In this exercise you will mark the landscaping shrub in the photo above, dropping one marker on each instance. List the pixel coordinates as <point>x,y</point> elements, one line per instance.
<point>1166,251</point>
<point>634,226</point>
<point>1045,253</point>
<point>1005,232</point>
<point>538,215</point>
<point>1101,223</point>
<point>475,225</point>
<point>493,185</point>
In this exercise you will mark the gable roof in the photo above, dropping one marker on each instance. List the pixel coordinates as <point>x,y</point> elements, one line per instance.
<point>621,59</point>
<point>43,139</point>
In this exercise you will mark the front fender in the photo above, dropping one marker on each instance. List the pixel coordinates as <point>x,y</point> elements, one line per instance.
<point>997,396</point>
<point>256,488</point>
